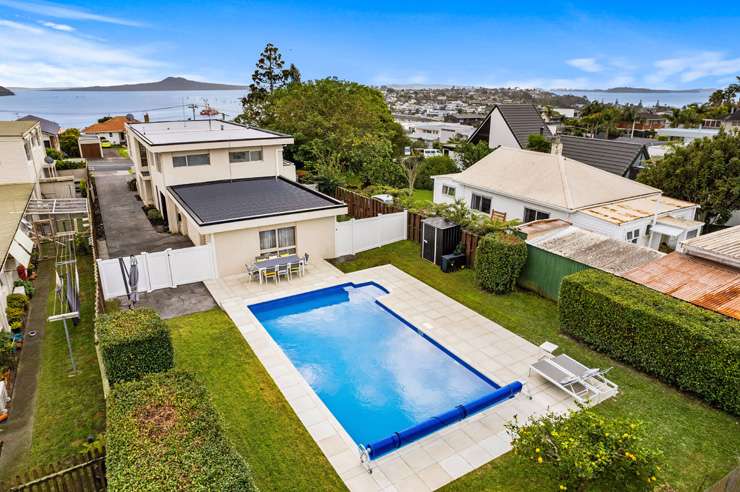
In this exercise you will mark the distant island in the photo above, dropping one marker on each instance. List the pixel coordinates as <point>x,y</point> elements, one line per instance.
<point>167,84</point>
<point>630,90</point>
<point>6,92</point>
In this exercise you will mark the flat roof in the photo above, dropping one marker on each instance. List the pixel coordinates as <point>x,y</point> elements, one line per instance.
<point>219,202</point>
<point>629,210</point>
<point>16,128</point>
<point>13,201</point>
<point>199,131</point>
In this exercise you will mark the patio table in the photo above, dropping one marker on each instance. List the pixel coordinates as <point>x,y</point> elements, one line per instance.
<point>275,262</point>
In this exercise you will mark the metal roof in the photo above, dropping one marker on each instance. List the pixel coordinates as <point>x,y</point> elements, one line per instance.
<point>218,202</point>
<point>702,282</point>
<point>199,131</point>
<point>57,206</point>
<point>609,155</point>
<point>720,246</point>
<point>629,210</point>
<point>47,126</point>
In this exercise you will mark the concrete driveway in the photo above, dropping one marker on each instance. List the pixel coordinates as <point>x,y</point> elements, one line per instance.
<point>128,232</point>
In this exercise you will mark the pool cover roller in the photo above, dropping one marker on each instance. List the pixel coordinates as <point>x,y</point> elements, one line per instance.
<point>423,429</point>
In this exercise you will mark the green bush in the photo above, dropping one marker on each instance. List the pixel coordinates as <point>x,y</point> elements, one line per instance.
<point>433,166</point>
<point>134,342</point>
<point>584,450</point>
<point>54,154</point>
<point>27,286</point>
<point>83,188</point>
<point>7,352</point>
<point>163,434</point>
<point>689,347</point>
<point>65,164</point>
<point>14,314</point>
<point>499,260</point>
<point>19,301</point>
<point>154,215</point>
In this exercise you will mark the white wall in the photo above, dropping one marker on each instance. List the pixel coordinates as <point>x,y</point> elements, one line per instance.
<point>500,134</point>
<point>14,165</point>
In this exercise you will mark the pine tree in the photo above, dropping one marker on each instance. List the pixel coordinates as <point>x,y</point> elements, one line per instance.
<point>268,76</point>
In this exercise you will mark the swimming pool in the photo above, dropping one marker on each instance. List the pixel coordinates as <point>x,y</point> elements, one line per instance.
<point>385,381</point>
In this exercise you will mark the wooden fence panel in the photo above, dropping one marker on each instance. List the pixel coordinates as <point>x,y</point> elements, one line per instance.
<point>85,473</point>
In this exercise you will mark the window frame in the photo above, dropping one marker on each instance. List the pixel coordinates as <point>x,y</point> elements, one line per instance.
<point>633,236</point>
<point>481,199</point>
<point>258,151</point>
<point>278,248</point>
<point>446,190</point>
<point>538,214</point>
<point>187,160</point>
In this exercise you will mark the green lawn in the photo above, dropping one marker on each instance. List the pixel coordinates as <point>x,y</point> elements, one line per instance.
<point>423,197</point>
<point>700,444</point>
<point>68,409</point>
<point>256,417</point>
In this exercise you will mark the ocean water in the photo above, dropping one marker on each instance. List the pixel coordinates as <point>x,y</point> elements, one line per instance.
<point>374,373</point>
<point>78,109</point>
<point>675,99</point>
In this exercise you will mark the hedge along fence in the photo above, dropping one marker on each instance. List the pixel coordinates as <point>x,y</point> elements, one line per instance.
<point>134,342</point>
<point>500,259</point>
<point>163,434</point>
<point>691,348</point>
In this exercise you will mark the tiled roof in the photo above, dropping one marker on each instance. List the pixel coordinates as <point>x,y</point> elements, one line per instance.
<point>47,126</point>
<point>219,202</point>
<point>609,155</point>
<point>523,120</point>
<point>113,125</point>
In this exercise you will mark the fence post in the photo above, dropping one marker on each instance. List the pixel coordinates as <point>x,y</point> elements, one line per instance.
<point>169,267</point>
<point>148,271</point>
<point>352,234</point>
<point>379,229</point>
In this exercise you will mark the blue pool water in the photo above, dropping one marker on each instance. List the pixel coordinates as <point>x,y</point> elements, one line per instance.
<point>375,372</point>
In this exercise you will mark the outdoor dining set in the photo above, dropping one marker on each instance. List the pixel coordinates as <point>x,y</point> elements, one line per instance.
<point>275,267</point>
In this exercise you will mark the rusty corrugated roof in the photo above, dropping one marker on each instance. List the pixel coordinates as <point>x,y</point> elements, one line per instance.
<point>702,282</point>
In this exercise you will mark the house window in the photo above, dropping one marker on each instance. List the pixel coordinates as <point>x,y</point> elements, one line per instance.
<point>531,214</point>
<point>448,190</point>
<point>191,160</point>
<point>633,236</point>
<point>246,156</point>
<point>278,241</point>
<point>27,147</point>
<point>481,203</point>
<point>691,234</point>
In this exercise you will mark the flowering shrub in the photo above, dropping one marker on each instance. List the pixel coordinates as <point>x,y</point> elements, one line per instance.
<point>583,449</point>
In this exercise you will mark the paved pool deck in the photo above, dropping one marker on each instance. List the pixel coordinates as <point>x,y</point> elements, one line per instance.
<point>443,456</point>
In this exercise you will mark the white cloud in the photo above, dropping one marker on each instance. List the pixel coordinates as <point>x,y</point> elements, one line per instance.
<point>586,64</point>
<point>58,27</point>
<point>547,83</point>
<point>32,56</point>
<point>693,67</point>
<point>47,9</point>
<point>397,79</point>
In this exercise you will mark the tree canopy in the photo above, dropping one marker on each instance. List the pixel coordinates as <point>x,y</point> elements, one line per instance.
<point>538,143</point>
<point>469,153</point>
<point>269,74</point>
<point>706,172</point>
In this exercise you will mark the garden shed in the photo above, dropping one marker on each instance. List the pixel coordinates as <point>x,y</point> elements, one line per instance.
<point>439,237</point>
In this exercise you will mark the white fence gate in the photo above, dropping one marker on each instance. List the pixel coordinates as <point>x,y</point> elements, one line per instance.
<point>160,270</point>
<point>357,235</point>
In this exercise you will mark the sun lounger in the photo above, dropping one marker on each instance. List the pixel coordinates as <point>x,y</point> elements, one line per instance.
<point>579,381</point>
<point>593,376</point>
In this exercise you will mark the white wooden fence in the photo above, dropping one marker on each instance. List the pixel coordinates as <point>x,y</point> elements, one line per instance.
<point>160,270</point>
<point>357,235</point>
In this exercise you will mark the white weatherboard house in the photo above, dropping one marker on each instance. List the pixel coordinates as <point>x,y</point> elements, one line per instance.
<point>525,185</point>
<point>227,185</point>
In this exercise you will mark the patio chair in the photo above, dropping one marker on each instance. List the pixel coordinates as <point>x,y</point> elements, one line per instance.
<point>253,271</point>
<point>295,268</point>
<point>566,381</point>
<point>283,271</point>
<point>593,376</point>
<point>305,261</point>
<point>270,273</point>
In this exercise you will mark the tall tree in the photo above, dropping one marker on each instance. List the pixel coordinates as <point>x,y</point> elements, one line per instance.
<point>268,76</point>
<point>469,153</point>
<point>706,172</point>
<point>410,167</point>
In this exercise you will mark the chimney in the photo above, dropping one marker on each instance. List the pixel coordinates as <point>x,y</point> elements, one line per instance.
<point>146,117</point>
<point>556,148</point>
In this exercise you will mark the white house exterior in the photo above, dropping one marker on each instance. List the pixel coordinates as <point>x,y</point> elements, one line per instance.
<point>436,131</point>
<point>510,125</point>
<point>226,184</point>
<point>527,186</point>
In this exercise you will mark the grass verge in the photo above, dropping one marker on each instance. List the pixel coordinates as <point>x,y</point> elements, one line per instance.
<point>700,444</point>
<point>256,417</point>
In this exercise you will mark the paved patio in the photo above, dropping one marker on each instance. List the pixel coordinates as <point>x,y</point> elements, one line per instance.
<point>448,453</point>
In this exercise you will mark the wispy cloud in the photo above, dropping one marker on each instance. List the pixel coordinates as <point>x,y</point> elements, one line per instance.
<point>586,64</point>
<point>58,27</point>
<point>47,9</point>
<point>694,67</point>
<point>34,56</point>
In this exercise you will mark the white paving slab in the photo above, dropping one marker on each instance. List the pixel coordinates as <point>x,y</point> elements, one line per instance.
<point>443,456</point>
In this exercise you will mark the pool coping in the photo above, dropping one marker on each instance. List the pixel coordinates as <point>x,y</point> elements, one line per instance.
<point>430,462</point>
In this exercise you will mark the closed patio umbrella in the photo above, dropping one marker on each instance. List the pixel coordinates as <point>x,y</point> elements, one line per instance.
<point>133,280</point>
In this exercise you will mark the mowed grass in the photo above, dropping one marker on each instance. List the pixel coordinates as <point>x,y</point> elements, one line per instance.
<point>700,444</point>
<point>256,417</point>
<point>423,197</point>
<point>68,408</point>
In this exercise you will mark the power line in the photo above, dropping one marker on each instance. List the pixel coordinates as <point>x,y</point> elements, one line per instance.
<point>95,112</point>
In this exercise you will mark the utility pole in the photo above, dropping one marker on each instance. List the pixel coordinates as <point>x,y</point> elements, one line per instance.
<point>192,107</point>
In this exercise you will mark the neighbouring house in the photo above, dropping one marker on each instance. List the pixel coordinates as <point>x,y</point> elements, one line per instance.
<point>227,185</point>
<point>90,147</point>
<point>704,271</point>
<point>525,185</point>
<point>510,125</point>
<point>469,119</point>
<point>113,130</point>
<point>623,158</point>
<point>686,135</point>
<point>49,131</point>
<point>732,121</point>
<point>655,147</point>
<point>435,131</point>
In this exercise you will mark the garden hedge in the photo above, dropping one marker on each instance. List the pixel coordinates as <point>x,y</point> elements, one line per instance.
<point>499,260</point>
<point>133,343</point>
<point>163,434</point>
<point>686,346</point>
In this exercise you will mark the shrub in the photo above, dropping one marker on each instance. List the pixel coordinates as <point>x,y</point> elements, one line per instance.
<point>82,244</point>
<point>15,314</point>
<point>19,301</point>
<point>499,260</point>
<point>692,348</point>
<point>583,449</point>
<point>54,154</point>
<point>7,352</point>
<point>163,434</point>
<point>66,164</point>
<point>27,286</point>
<point>154,215</point>
<point>134,342</point>
<point>83,187</point>
<point>433,166</point>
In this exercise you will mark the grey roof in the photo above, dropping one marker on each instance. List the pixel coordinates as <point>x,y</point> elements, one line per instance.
<point>642,140</point>
<point>217,202</point>
<point>47,126</point>
<point>734,116</point>
<point>609,155</point>
<point>523,120</point>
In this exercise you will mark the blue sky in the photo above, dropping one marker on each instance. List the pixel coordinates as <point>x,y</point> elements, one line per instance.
<point>526,44</point>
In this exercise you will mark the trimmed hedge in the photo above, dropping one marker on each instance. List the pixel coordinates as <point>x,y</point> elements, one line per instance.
<point>499,260</point>
<point>686,346</point>
<point>133,343</point>
<point>163,434</point>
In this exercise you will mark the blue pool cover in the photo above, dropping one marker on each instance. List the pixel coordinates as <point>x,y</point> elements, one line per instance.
<point>384,380</point>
